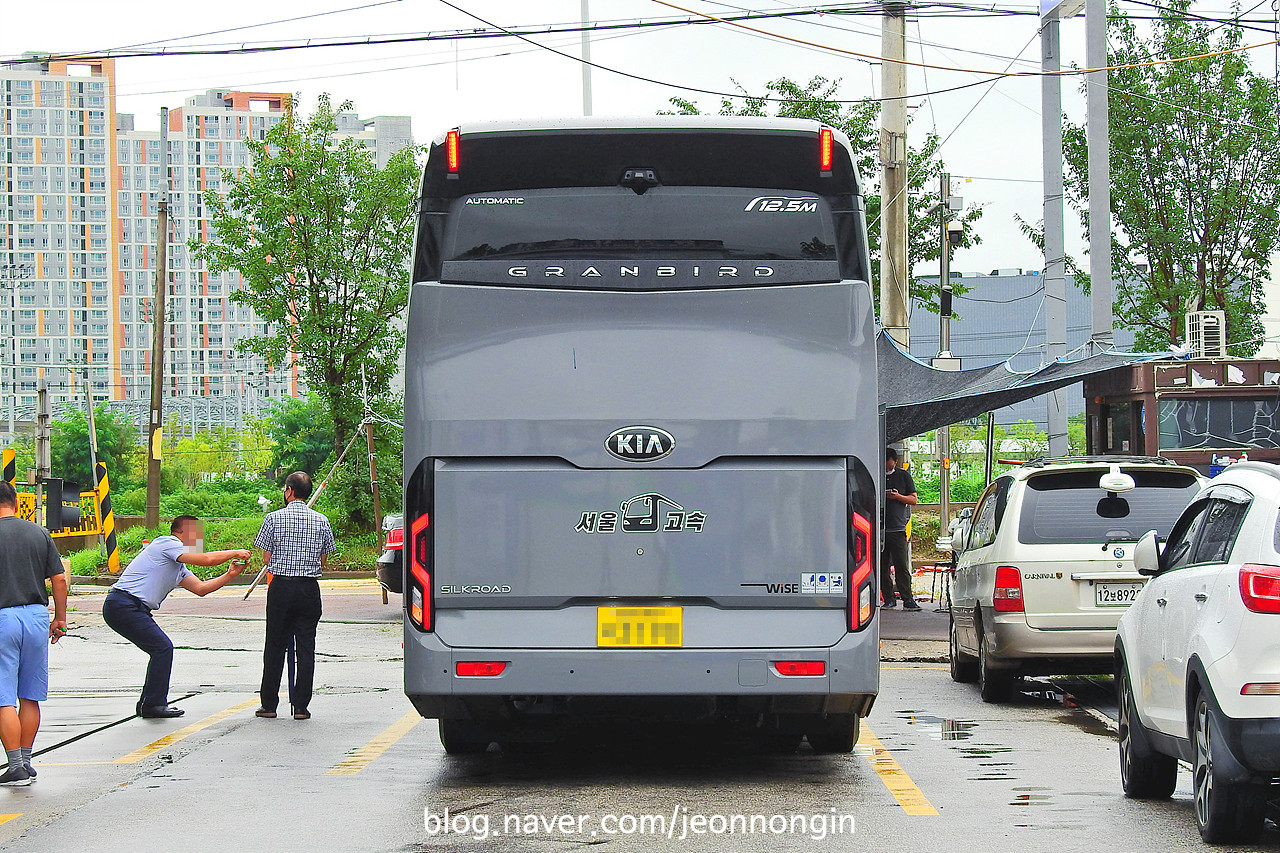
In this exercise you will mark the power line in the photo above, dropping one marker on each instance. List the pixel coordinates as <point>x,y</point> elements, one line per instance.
<point>409,38</point>
<point>1061,73</point>
<point>292,20</point>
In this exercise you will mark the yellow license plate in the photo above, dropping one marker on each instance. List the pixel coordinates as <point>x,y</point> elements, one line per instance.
<point>639,627</point>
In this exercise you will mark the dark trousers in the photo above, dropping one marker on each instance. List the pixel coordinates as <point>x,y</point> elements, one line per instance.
<point>129,617</point>
<point>293,609</point>
<point>895,555</point>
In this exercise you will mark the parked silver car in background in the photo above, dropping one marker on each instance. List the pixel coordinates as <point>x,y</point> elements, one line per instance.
<point>1047,567</point>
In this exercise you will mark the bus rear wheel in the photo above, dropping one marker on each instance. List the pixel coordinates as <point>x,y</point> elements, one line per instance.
<point>463,737</point>
<point>837,735</point>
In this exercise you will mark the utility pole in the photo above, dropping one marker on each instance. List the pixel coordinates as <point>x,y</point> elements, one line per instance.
<point>44,455</point>
<point>93,431</point>
<point>1098,124</point>
<point>586,59</point>
<point>1055,281</point>
<point>944,344</point>
<point>93,447</point>
<point>154,426</point>
<point>895,275</point>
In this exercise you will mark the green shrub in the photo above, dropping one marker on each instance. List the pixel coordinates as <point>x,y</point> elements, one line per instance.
<point>85,563</point>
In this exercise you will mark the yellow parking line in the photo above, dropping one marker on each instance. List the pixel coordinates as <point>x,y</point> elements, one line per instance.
<point>911,798</point>
<point>170,739</point>
<point>5,818</point>
<point>361,758</point>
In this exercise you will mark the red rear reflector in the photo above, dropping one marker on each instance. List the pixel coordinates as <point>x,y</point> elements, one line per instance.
<point>800,667</point>
<point>451,150</point>
<point>1263,689</point>
<point>1008,593</point>
<point>470,668</point>
<point>826,149</point>
<point>395,538</point>
<point>1260,588</point>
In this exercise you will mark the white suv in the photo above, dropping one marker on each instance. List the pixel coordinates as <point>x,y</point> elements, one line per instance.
<point>1197,656</point>
<point>1047,566</point>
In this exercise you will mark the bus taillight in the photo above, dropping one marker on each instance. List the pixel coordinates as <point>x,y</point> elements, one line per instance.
<point>826,149</point>
<point>861,580</point>
<point>451,151</point>
<point>420,610</point>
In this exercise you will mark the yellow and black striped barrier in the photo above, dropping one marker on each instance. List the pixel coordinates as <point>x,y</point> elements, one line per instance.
<point>108,520</point>
<point>9,465</point>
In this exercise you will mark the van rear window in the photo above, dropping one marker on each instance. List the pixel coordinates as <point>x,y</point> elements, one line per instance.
<point>1069,508</point>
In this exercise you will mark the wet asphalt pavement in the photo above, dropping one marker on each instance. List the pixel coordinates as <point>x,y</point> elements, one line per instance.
<point>936,768</point>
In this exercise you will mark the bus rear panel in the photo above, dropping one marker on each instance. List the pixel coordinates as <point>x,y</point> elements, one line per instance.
<point>642,432</point>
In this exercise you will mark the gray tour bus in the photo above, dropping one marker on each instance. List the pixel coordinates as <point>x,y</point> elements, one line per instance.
<point>642,441</point>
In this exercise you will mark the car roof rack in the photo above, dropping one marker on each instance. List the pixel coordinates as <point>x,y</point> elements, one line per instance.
<point>1042,461</point>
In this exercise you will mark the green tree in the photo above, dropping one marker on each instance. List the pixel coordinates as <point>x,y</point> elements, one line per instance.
<point>818,100</point>
<point>321,236</point>
<point>301,430</point>
<point>69,446</point>
<point>1195,177</point>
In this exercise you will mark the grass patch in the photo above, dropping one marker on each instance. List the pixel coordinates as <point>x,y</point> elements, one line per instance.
<point>356,552</point>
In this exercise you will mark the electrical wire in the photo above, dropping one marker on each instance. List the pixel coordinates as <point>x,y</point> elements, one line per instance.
<point>1066,72</point>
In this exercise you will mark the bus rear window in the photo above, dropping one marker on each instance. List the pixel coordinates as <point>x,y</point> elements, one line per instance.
<point>665,222</point>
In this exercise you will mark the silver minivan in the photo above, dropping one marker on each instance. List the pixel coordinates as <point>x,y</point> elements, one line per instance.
<point>1047,566</point>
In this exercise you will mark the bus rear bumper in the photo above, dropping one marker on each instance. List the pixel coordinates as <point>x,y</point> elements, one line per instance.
<point>668,683</point>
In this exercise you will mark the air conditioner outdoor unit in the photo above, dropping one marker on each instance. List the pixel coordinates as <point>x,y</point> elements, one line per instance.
<point>1207,333</point>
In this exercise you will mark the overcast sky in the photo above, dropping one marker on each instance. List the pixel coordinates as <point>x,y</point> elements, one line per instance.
<point>991,131</point>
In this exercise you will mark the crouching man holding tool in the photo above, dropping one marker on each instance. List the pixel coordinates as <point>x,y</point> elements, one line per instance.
<point>150,577</point>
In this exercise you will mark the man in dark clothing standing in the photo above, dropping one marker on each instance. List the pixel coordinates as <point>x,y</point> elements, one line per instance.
<point>899,497</point>
<point>296,542</point>
<point>27,559</point>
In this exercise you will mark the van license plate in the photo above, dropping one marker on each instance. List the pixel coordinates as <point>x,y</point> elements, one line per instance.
<point>639,627</point>
<point>1115,594</point>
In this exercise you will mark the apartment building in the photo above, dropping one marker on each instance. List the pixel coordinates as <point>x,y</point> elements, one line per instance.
<point>79,189</point>
<point>57,211</point>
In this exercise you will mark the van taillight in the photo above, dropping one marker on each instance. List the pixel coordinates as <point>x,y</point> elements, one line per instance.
<point>395,538</point>
<point>861,579</point>
<point>800,667</point>
<point>1008,594</point>
<point>420,610</point>
<point>451,151</point>
<point>480,668</point>
<point>826,149</point>
<point>1260,588</point>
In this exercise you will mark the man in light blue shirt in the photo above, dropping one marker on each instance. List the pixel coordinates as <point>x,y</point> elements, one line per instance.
<point>149,578</point>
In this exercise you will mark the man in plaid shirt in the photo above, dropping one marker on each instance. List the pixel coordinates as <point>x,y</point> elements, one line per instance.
<point>296,542</point>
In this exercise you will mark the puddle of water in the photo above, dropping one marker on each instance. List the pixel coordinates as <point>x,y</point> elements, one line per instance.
<point>1030,800</point>
<point>947,730</point>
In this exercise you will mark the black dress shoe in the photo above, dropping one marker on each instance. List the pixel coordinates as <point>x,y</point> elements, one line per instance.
<point>157,712</point>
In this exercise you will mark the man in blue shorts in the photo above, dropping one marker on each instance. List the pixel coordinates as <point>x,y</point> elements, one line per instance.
<point>149,578</point>
<point>27,559</point>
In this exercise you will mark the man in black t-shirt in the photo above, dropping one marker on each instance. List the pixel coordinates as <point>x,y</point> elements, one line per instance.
<point>899,497</point>
<point>27,559</point>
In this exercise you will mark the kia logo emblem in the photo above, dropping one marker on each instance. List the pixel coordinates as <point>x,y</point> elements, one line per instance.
<point>639,443</point>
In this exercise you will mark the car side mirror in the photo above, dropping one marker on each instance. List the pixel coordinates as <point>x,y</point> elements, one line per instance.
<point>1146,554</point>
